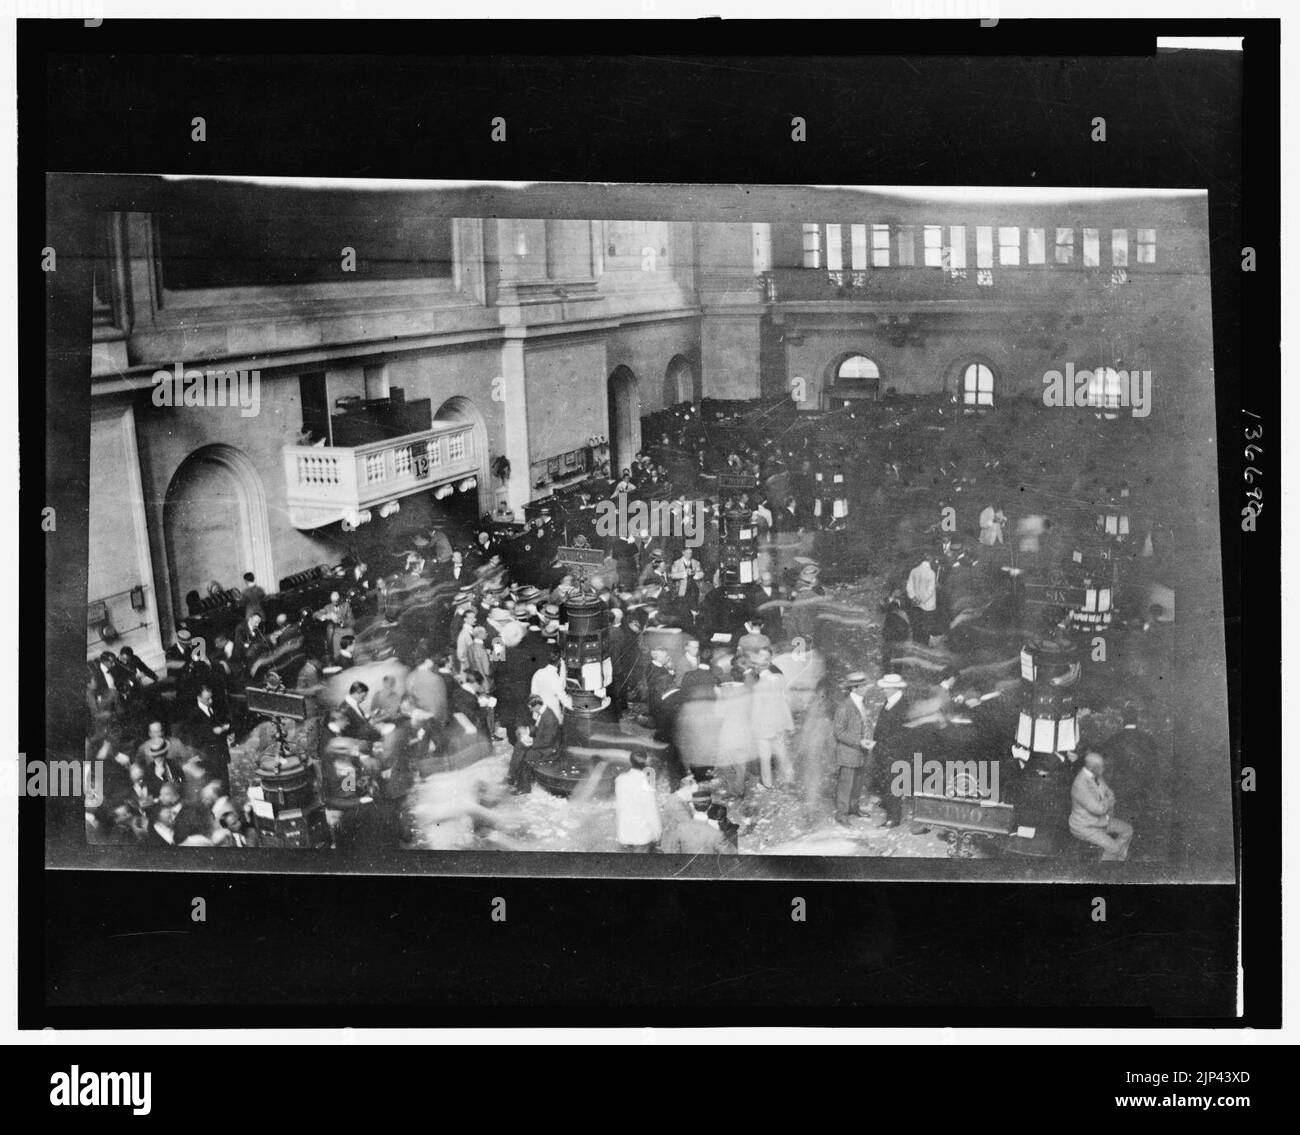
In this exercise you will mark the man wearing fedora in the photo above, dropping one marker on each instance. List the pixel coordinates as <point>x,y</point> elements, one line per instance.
<point>851,746</point>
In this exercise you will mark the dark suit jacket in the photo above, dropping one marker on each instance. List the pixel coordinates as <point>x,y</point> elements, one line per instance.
<point>212,748</point>
<point>462,701</point>
<point>358,727</point>
<point>193,820</point>
<point>546,737</point>
<point>122,678</point>
<point>139,667</point>
<point>249,644</point>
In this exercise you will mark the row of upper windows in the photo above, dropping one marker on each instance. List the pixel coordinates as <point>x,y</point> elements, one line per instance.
<point>1105,387</point>
<point>885,246</point>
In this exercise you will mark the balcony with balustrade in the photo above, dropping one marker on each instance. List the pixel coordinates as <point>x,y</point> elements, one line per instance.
<point>326,485</point>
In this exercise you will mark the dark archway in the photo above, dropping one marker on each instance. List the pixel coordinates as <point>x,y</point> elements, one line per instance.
<point>624,418</point>
<point>215,524</point>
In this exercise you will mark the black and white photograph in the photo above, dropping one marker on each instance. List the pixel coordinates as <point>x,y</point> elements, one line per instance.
<point>686,527</point>
<point>881,523</point>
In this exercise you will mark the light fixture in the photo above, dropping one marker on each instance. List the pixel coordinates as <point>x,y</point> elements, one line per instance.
<point>467,484</point>
<point>443,492</point>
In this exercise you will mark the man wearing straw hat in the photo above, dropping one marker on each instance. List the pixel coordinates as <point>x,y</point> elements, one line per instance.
<point>887,742</point>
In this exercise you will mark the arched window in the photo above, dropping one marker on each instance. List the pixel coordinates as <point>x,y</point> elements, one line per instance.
<point>857,370</point>
<point>977,385</point>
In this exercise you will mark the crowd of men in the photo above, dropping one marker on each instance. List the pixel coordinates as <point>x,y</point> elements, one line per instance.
<point>473,623</point>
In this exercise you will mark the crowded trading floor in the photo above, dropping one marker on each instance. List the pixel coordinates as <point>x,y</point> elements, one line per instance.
<point>871,630</point>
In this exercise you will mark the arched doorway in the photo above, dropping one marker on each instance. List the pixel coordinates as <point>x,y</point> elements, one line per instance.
<point>624,418</point>
<point>461,409</point>
<point>679,381</point>
<point>851,378</point>
<point>215,525</point>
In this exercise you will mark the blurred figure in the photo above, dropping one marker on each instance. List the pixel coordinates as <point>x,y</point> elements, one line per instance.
<point>1092,802</point>
<point>922,590</point>
<point>635,808</point>
<point>993,523</point>
<point>815,748</point>
<point>702,835</point>
<point>772,719</point>
<point>736,744</point>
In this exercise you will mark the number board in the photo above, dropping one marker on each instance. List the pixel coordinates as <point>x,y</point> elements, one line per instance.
<point>580,557</point>
<point>1055,595</point>
<point>736,481</point>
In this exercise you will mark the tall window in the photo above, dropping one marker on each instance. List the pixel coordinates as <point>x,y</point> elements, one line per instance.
<point>977,385</point>
<point>907,246</point>
<point>1091,248</point>
<point>1065,246</point>
<point>932,236</point>
<point>1146,246</point>
<point>834,248</point>
<point>1009,246</point>
<point>984,246</point>
<point>957,248</point>
<point>1119,248</point>
<point>880,246</point>
<point>858,246</point>
<point>812,246</point>
<point>1036,253</point>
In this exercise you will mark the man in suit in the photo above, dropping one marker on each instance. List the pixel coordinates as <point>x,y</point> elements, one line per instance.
<point>535,746</point>
<point>180,654</point>
<point>132,665</point>
<point>253,595</point>
<point>158,760</point>
<point>660,682</point>
<point>208,735</point>
<point>849,729</point>
<point>767,599</point>
<point>889,744</point>
<point>701,836</point>
<point>621,645</point>
<point>112,681</point>
<point>922,590</point>
<point>358,726</point>
<point>338,614</point>
<point>1092,803</point>
<point>250,641</point>
<point>465,700</point>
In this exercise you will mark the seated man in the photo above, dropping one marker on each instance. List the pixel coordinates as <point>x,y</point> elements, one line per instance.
<point>702,835</point>
<point>535,745</point>
<point>1090,815</point>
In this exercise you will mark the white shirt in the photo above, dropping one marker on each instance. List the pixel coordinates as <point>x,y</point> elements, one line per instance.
<point>548,684</point>
<point>921,586</point>
<point>636,811</point>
